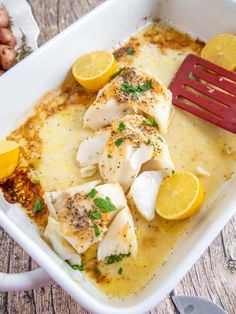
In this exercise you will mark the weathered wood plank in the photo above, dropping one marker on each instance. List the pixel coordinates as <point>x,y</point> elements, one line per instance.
<point>212,277</point>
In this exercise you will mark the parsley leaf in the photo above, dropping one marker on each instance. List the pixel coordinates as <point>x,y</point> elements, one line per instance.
<point>95,214</point>
<point>150,122</point>
<point>97,271</point>
<point>130,51</point>
<point>122,126</point>
<point>160,139</point>
<point>36,181</point>
<point>120,270</point>
<point>128,88</point>
<point>116,258</point>
<point>109,156</point>
<point>96,230</point>
<point>146,86</point>
<point>149,142</point>
<point>37,206</point>
<point>79,267</point>
<point>105,204</point>
<point>115,74</point>
<point>134,90</point>
<point>92,193</point>
<point>119,141</point>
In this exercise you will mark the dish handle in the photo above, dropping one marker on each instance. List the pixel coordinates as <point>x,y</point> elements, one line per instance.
<point>24,281</point>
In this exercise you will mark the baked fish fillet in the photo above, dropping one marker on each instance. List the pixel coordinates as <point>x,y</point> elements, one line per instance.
<point>132,91</point>
<point>81,214</point>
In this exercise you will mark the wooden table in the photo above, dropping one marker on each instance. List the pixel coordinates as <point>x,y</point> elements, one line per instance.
<point>212,277</point>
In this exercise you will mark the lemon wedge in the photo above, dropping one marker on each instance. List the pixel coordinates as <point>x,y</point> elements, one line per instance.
<point>180,196</point>
<point>221,50</point>
<point>94,69</point>
<point>9,155</point>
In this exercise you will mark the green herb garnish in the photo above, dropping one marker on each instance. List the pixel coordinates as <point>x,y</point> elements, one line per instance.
<point>32,166</point>
<point>115,74</point>
<point>150,122</point>
<point>130,51</point>
<point>95,214</point>
<point>36,181</point>
<point>160,139</point>
<point>96,230</point>
<point>97,271</point>
<point>116,258</point>
<point>109,156</point>
<point>173,172</point>
<point>79,267</point>
<point>120,270</point>
<point>122,126</point>
<point>119,141</point>
<point>134,90</point>
<point>149,142</point>
<point>105,204</point>
<point>146,86</point>
<point>37,206</point>
<point>24,50</point>
<point>92,193</point>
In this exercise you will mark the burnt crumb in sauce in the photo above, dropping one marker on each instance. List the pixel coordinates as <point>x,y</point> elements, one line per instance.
<point>19,188</point>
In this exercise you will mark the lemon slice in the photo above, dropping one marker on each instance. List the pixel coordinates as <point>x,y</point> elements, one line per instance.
<point>94,69</point>
<point>221,50</point>
<point>9,155</point>
<point>180,196</point>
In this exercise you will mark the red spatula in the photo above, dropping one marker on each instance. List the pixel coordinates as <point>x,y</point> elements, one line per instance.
<point>206,90</point>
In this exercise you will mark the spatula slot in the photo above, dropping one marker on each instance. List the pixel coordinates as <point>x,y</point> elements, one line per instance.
<point>202,109</point>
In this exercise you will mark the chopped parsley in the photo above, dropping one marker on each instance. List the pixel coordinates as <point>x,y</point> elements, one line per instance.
<point>104,204</point>
<point>160,139</point>
<point>36,181</point>
<point>116,258</point>
<point>115,74</point>
<point>149,142</point>
<point>37,206</point>
<point>92,193</point>
<point>173,172</point>
<point>119,141</point>
<point>96,230</point>
<point>150,122</point>
<point>97,271</point>
<point>95,214</point>
<point>122,126</point>
<point>32,166</point>
<point>79,267</point>
<point>135,90</point>
<point>146,86</point>
<point>130,51</point>
<point>109,156</point>
<point>120,270</point>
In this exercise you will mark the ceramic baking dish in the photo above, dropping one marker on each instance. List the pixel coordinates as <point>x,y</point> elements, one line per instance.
<point>21,87</point>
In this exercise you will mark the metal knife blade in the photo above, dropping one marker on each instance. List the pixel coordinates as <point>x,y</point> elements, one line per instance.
<point>196,305</point>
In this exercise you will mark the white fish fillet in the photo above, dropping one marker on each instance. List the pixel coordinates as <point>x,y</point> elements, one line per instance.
<point>59,244</point>
<point>120,237</point>
<point>71,210</point>
<point>115,101</point>
<point>91,149</point>
<point>144,192</point>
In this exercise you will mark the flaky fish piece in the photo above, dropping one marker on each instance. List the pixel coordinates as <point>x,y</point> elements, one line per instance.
<point>120,238</point>
<point>81,214</point>
<point>132,91</point>
<point>133,144</point>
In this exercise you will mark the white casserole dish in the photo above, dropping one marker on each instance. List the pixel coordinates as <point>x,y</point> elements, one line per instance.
<point>21,87</point>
